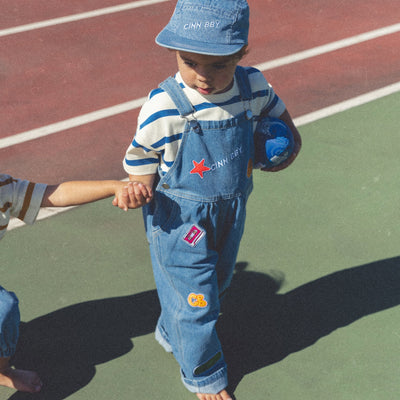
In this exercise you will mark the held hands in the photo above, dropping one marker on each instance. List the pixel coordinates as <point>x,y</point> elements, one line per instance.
<point>132,195</point>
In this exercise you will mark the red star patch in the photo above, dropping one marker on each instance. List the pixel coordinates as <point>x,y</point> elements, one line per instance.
<point>199,168</point>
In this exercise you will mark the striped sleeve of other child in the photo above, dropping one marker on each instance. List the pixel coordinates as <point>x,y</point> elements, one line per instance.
<point>20,199</point>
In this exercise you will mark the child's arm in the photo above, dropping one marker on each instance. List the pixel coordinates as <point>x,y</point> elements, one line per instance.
<point>80,192</point>
<point>287,119</point>
<point>136,193</point>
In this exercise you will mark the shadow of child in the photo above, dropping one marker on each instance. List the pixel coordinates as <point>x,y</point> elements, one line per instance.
<point>65,346</point>
<point>259,327</point>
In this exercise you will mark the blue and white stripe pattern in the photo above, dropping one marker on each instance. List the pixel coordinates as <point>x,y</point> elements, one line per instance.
<point>160,126</point>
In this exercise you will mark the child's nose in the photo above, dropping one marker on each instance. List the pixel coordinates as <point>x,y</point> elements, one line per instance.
<point>204,74</point>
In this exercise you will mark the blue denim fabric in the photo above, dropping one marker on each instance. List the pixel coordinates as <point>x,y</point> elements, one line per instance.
<point>9,322</point>
<point>194,226</point>
<point>207,27</point>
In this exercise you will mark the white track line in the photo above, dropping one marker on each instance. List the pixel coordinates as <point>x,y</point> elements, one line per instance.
<point>131,105</point>
<point>78,17</point>
<point>44,213</point>
<point>70,123</point>
<point>305,119</point>
<point>326,48</point>
<point>347,104</point>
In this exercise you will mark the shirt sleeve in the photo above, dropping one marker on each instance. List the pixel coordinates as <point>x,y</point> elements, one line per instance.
<point>26,199</point>
<point>267,101</point>
<point>276,107</point>
<point>20,199</point>
<point>155,140</point>
<point>140,157</point>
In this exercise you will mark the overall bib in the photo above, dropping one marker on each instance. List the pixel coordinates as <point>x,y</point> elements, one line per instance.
<point>194,226</point>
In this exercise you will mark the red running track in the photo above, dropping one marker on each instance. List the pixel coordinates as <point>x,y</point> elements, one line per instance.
<point>55,73</point>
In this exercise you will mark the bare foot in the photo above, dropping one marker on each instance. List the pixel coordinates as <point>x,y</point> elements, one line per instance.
<point>19,379</point>
<point>222,395</point>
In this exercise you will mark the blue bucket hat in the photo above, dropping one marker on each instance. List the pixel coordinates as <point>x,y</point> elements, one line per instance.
<point>218,28</point>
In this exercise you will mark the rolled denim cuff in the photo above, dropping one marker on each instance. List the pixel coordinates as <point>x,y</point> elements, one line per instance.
<point>213,383</point>
<point>162,340</point>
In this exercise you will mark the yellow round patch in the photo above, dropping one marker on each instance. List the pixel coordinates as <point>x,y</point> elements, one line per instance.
<point>197,300</point>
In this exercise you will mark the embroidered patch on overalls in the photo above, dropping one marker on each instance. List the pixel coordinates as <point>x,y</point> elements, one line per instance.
<point>197,300</point>
<point>199,168</point>
<point>193,236</point>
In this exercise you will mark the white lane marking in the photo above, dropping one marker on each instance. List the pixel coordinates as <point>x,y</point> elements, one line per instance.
<point>299,121</point>
<point>78,17</point>
<point>70,123</point>
<point>347,104</point>
<point>131,105</point>
<point>326,48</point>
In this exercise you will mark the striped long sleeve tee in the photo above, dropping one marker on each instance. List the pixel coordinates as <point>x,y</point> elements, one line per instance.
<point>160,127</point>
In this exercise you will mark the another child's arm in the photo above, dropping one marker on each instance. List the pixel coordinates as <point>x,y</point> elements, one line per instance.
<point>81,192</point>
<point>136,193</point>
<point>285,117</point>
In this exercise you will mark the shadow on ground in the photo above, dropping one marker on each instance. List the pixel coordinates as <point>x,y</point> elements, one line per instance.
<point>258,326</point>
<point>65,346</point>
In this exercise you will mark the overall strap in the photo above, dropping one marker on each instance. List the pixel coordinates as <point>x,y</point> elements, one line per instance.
<point>246,93</point>
<point>243,83</point>
<point>174,90</point>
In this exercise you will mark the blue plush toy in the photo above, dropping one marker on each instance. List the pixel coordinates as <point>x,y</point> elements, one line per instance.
<point>273,141</point>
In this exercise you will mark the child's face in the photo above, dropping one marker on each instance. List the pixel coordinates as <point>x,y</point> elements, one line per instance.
<point>207,74</point>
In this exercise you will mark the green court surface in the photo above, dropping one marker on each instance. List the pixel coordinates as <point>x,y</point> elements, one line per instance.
<point>311,313</point>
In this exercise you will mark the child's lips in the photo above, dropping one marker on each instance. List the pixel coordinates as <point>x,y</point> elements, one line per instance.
<point>204,90</point>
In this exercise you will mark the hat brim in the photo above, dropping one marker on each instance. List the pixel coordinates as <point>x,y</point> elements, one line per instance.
<point>173,41</point>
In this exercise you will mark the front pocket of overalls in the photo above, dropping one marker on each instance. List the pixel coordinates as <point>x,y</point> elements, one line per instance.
<point>166,212</point>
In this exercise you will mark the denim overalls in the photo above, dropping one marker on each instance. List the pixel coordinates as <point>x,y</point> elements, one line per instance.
<point>194,226</point>
<point>9,322</point>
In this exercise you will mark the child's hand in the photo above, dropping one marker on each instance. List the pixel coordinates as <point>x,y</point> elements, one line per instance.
<point>132,195</point>
<point>285,164</point>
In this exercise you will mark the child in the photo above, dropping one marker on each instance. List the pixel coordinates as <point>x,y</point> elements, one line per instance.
<point>22,199</point>
<point>194,143</point>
